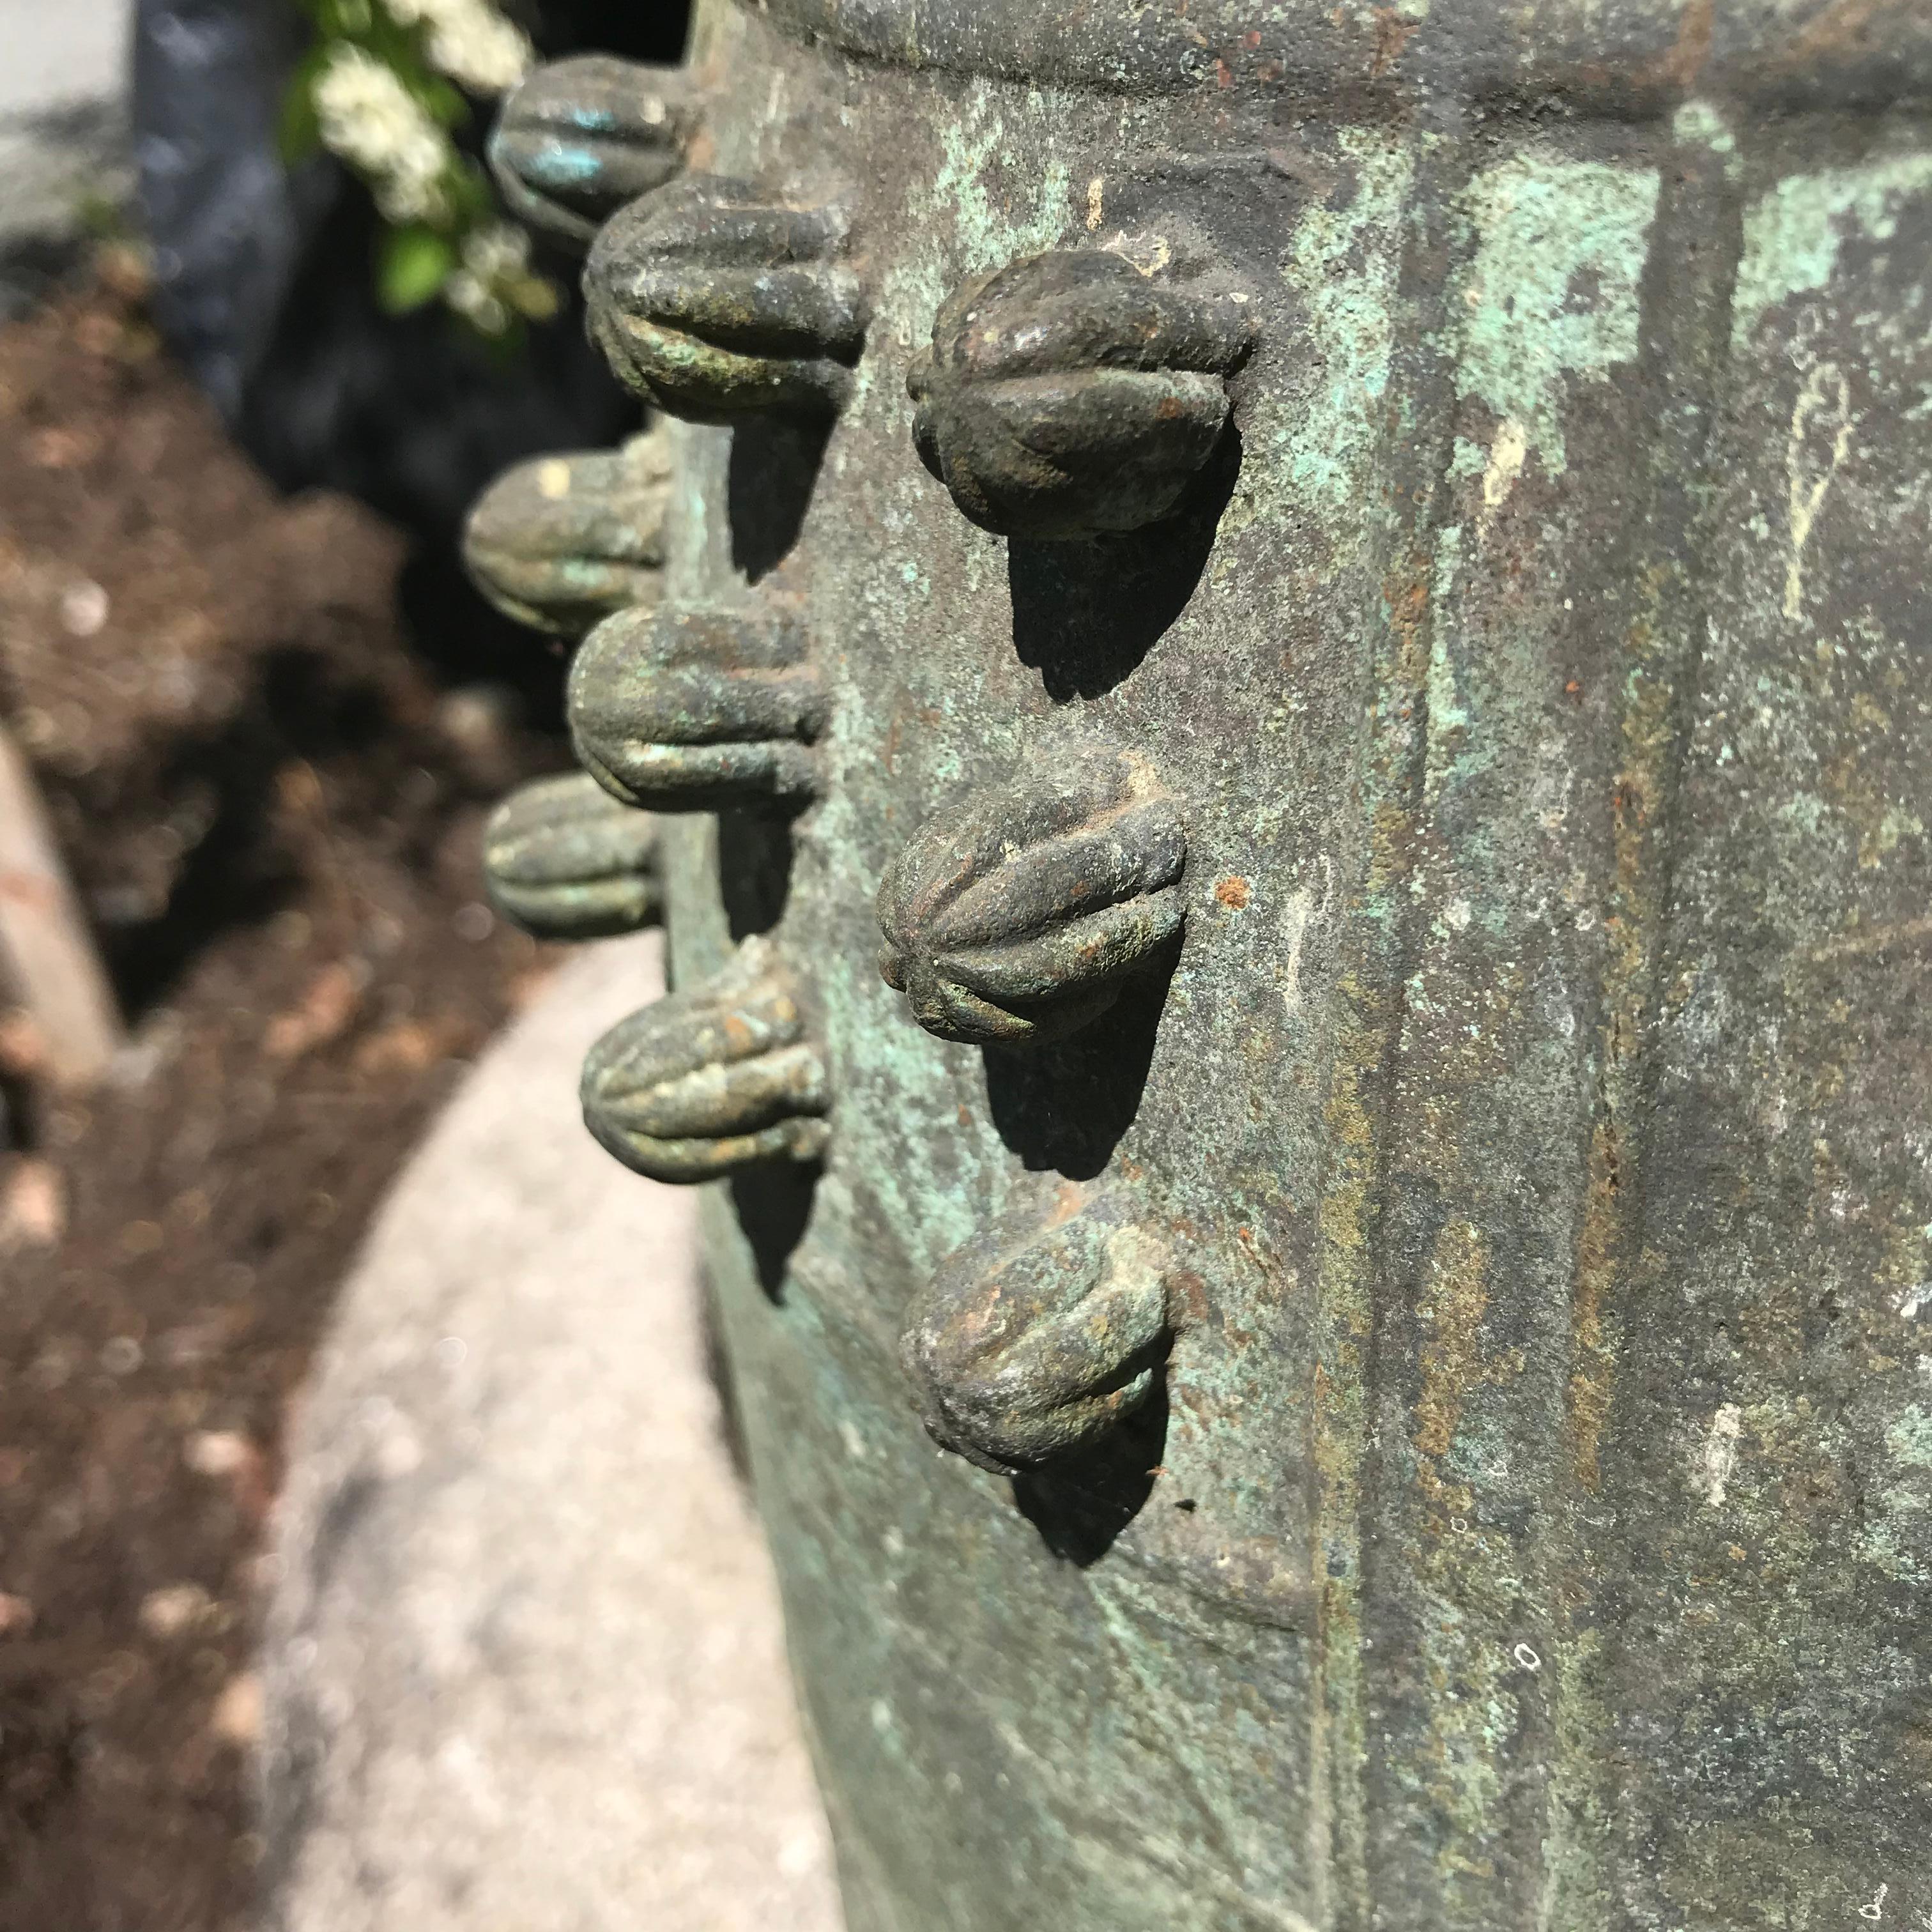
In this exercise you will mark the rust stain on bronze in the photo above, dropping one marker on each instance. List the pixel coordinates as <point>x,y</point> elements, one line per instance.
<point>1844,27</point>
<point>1451,1362</point>
<point>1392,34</point>
<point>1685,62</point>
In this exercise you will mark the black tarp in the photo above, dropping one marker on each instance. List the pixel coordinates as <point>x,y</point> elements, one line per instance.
<point>264,288</point>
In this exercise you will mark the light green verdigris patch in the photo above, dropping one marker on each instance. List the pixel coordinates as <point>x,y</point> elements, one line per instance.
<point>1447,713</point>
<point>1552,294</point>
<point>1342,266</point>
<point>987,235</point>
<point>957,204</point>
<point>1899,1541</point>
<point>1700,124</point>
<point>1909,1438</point>
<point>1793,233</point>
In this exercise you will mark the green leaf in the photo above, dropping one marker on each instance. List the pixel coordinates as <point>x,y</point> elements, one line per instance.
<point>472,194</point>
<point>415,263</point>
<point>445,102</point>
<point>299,134</point>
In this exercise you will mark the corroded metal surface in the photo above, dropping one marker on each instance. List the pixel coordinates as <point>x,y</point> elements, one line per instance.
<point>1072,394</point>
<point>721,1076</point>
<point>1015,917</point>
<point>1437,1322</point>
<point>715,300</point>
<point>566,540</point>
<point>1043,1338</point>
<point>690,709</point>
<point>566,860</point>
<point>584,136</point>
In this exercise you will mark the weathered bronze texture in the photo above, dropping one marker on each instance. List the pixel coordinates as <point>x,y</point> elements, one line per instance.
<point>689,711</point>
<point>1071,395</point>
<point>562,541</point>
<point>713,1080</point>
<point>565,860</point>
<point>1459,1310</point>
<point>582,137</point>
<point>712,300</point>
<point>1015,916</point>
<point>1039,1338</point>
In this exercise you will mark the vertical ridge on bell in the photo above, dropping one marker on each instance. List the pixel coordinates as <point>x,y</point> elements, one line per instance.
<point>580,137</point>
<point>713,299</point>
<point>565,861</point>
<point>563,541</point>
<point>698,710</point>
<point>714,1079</point>
<point>1069,396</point>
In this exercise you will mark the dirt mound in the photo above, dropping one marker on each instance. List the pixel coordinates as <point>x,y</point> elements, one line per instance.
<point>271,811</point>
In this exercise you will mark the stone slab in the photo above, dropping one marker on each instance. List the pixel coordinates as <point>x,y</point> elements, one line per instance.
<point>524,1665</point>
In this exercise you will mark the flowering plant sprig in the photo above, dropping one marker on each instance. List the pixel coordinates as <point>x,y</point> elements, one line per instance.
<point>383,88</point>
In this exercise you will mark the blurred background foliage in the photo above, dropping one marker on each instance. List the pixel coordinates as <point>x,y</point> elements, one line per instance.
<point>384,86</point>
<point>320,320</point>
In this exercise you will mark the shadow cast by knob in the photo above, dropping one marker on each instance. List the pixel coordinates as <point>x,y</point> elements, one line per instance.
<point>773,472</point>
<point>1082,1504</point>
<point>1063,1107</point>
<point>773,1201</point>
<point>1086,615</point>
<point>756,849</point>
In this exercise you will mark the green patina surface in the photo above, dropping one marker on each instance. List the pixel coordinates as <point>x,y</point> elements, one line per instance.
<point>1541,1526</point>
<point>1551,295</point>
<point>1794,232</point>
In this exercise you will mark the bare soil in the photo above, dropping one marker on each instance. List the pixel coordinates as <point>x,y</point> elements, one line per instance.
<point>271,810</point>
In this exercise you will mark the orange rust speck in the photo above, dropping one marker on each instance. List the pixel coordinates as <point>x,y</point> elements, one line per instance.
<point>1235,892</point>
<point>1392,35</point>
<point>1190,1295</point>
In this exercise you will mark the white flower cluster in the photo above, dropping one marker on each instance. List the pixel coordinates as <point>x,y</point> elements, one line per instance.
<point>368,117</point>
<point>495,259</point>
<point>470,40</point>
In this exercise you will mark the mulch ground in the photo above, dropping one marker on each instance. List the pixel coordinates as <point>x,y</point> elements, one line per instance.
<point>271,811</point>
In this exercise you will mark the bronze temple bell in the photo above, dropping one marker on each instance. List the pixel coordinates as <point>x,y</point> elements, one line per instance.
<point>1281,655</point>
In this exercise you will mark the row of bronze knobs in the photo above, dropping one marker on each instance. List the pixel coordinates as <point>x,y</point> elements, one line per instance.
<point>1067,396</point>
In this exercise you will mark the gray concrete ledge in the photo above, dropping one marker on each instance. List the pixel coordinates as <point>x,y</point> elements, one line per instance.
<point>524,1665</point>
